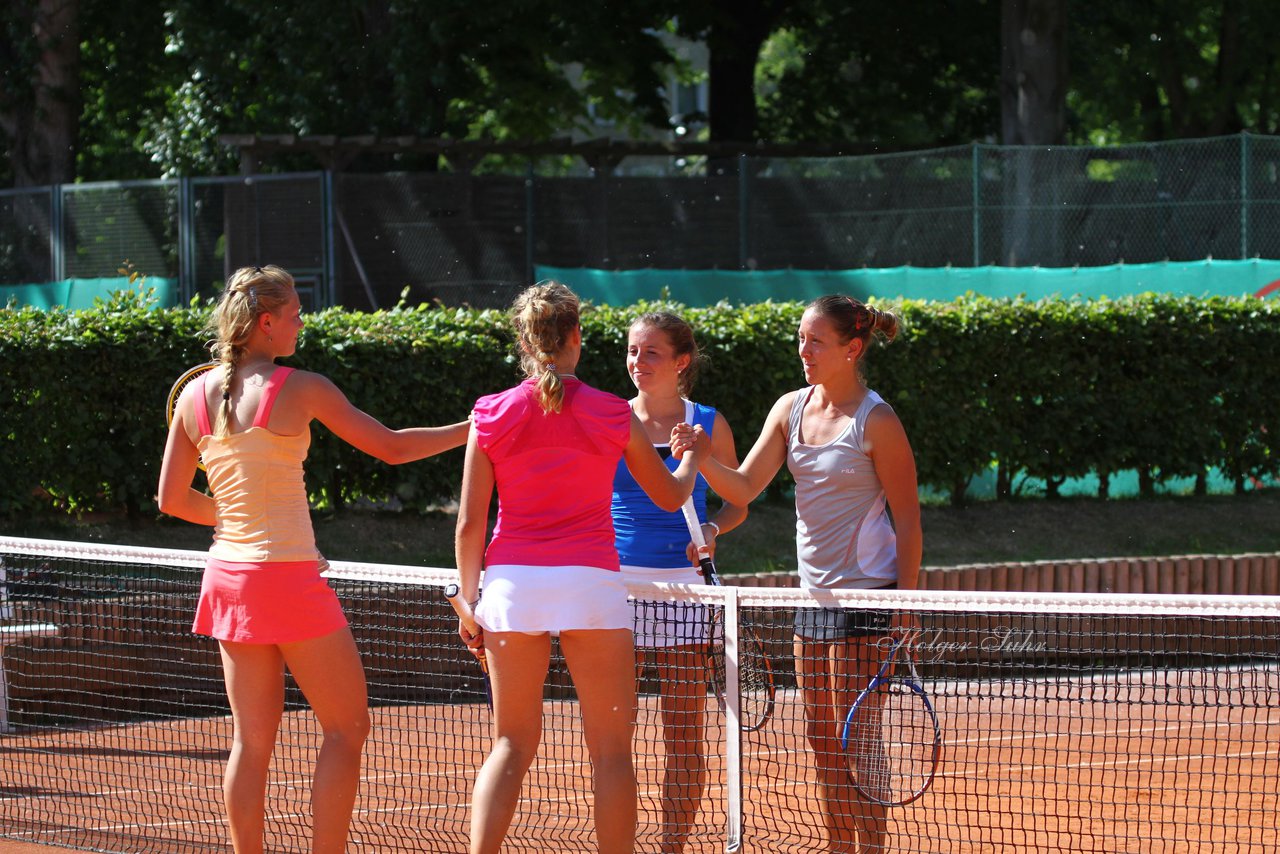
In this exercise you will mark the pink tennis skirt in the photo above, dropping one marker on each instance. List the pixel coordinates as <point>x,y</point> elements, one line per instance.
<point>269,603</point>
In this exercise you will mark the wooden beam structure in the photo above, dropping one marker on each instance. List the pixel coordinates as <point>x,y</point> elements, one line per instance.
<point>602,155</point>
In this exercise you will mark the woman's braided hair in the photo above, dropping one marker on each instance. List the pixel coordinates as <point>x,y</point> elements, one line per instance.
<point>250,292</point>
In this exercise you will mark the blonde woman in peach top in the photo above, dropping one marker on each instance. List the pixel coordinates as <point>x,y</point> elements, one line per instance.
<point>262,596</point>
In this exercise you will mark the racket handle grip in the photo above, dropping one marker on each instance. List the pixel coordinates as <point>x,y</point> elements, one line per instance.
<point>699,542</point>
<point>695,527</point>
<point>463,609</point>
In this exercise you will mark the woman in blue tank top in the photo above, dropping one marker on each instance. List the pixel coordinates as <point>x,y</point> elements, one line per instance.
<point>853,466</point>
<point>654,545</point>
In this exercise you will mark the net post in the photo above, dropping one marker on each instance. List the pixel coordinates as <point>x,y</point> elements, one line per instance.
<point>11,635</point>
<point>732,724</point>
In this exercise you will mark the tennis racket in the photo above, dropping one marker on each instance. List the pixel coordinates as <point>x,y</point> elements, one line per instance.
<point>175,392</point>
<point>755,671</point>
<point>891,738</point>
<point>463,610</point>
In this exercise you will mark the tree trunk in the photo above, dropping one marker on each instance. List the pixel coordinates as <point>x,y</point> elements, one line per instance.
<point>1004,482</point>
<point>42,121</point>
<point>1033,73</point>
<point>732,94</point>
<point>1033,99</point>
<point>1146,483</point>
<point>733,44</point>
<point>1053,486</point>
<point>1230,73</point>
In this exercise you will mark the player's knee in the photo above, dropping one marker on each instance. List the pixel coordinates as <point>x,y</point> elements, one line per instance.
<point>613,758</point>
<point>254,743</point>
<point>351,730</point>
<point>516,752</point>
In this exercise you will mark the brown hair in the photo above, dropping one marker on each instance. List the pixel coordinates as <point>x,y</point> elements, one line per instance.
<point>250,292</point>
<point>544,316</point>
<point>680,335</point>
<point>855,319</point>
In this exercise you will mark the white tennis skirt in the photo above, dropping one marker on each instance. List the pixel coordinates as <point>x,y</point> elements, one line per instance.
<point>661,625</point>
<point>536,599</point>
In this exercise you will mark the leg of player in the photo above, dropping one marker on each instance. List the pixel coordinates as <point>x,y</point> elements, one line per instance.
<point>830,674</point>
<point>681,673</point>
<point>254,676</point>
<point>834,789</point>
<point>853,663</point>
<point>518,666</point>
<point>329,672</point>
<point>607,701</point>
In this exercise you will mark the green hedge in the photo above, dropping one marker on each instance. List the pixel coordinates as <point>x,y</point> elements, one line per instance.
<point>1048,389</point>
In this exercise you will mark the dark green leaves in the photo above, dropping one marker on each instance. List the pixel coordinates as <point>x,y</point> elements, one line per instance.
<point>1048,389</point>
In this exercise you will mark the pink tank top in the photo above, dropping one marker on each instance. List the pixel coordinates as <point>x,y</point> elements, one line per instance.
<point>554,473</point>
<point>257,484</point>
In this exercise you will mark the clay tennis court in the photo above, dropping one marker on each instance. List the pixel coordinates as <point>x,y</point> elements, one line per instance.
<point>1183,763</point>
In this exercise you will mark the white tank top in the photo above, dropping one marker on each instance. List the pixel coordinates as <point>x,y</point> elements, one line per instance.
<point>844,538</point>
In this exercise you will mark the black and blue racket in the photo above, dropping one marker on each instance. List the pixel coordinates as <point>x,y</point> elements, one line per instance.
<point>463,609</point>
<point>891,738</point>
<point>755,671</point>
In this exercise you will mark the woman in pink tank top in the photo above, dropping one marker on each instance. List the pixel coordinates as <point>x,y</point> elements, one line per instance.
<point>263,597</point>
<point>850,458</point>
<point>550,447</point>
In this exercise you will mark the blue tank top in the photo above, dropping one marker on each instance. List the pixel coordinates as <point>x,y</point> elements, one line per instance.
<point>647,535</point>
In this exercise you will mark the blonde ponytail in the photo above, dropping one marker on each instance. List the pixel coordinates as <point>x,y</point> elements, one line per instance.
<point>544,316</point>
<point>550,390</point>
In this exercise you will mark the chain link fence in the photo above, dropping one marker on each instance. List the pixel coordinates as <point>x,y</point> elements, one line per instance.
<point>363,240</point>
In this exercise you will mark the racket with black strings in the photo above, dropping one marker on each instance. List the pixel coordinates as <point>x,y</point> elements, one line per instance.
<point>755,671</point>
<point>179,386</point>
<point>463,609</point>
<point>891,737</point>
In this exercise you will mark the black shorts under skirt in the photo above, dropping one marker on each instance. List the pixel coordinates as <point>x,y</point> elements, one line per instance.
<point>825,624</point>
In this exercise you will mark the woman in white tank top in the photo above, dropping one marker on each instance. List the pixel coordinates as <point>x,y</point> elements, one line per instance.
<point>852,462</point>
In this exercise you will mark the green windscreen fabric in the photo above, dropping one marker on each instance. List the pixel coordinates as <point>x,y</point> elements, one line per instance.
<point>707,287</point>
<point>81,293</point>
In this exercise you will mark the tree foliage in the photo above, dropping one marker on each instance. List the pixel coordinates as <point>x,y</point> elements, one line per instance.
<point>1173,69</point>
<point>882,73</point>
<point>162,82</point>
<point>158,83</point>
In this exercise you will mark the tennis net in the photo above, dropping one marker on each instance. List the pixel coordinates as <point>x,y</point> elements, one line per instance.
<point>1101,723</point>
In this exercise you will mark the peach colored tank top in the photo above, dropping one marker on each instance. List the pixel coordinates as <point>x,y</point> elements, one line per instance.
<point>256,480</point>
